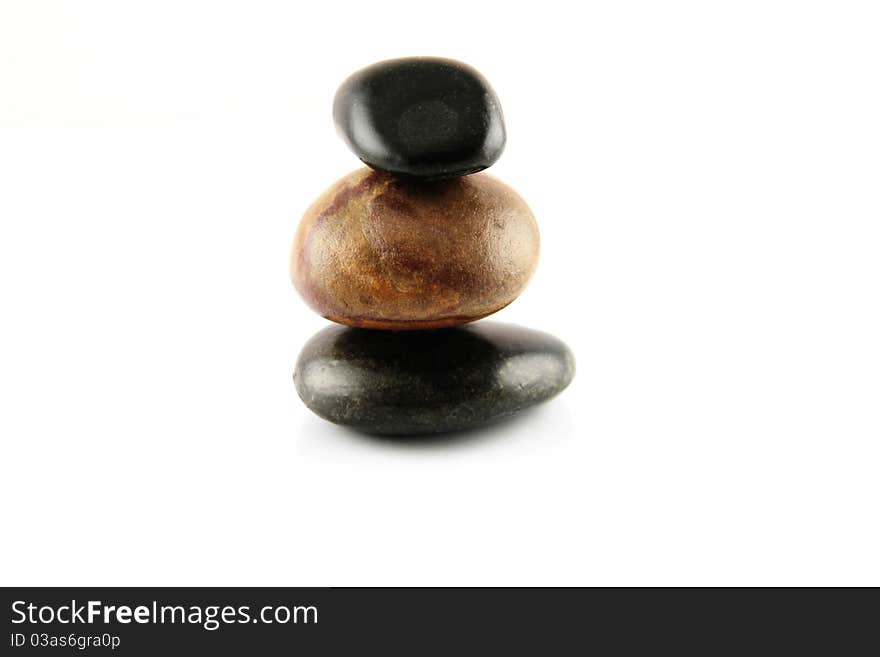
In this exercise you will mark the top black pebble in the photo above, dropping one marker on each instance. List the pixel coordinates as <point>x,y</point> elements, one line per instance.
<point>422,117</point>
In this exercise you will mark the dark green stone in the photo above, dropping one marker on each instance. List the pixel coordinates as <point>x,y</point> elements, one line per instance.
<point>419,382</point>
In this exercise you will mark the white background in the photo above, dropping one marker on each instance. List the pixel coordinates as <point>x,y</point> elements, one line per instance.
<point>706,177</point>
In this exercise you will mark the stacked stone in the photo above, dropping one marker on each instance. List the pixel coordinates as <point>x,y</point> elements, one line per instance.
<point>405,252</point>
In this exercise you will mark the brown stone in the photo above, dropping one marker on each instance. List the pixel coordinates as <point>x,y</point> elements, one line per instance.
<point>377,251</point>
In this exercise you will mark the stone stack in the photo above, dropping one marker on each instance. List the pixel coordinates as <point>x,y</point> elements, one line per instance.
<point>404,253</point>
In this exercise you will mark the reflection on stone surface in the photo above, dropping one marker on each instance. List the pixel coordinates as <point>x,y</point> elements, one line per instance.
<point>419,382</point>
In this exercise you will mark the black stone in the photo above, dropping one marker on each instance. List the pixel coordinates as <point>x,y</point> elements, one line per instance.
<point>420,382</point>
<point>421,116</point>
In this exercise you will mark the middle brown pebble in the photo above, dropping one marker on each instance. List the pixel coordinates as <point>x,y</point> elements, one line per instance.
<point>379,251</point>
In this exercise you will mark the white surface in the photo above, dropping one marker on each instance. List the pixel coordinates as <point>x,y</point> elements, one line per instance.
<point>705,176</point>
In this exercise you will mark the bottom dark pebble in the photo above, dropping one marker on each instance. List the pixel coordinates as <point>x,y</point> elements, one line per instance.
<point>423,382</point>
